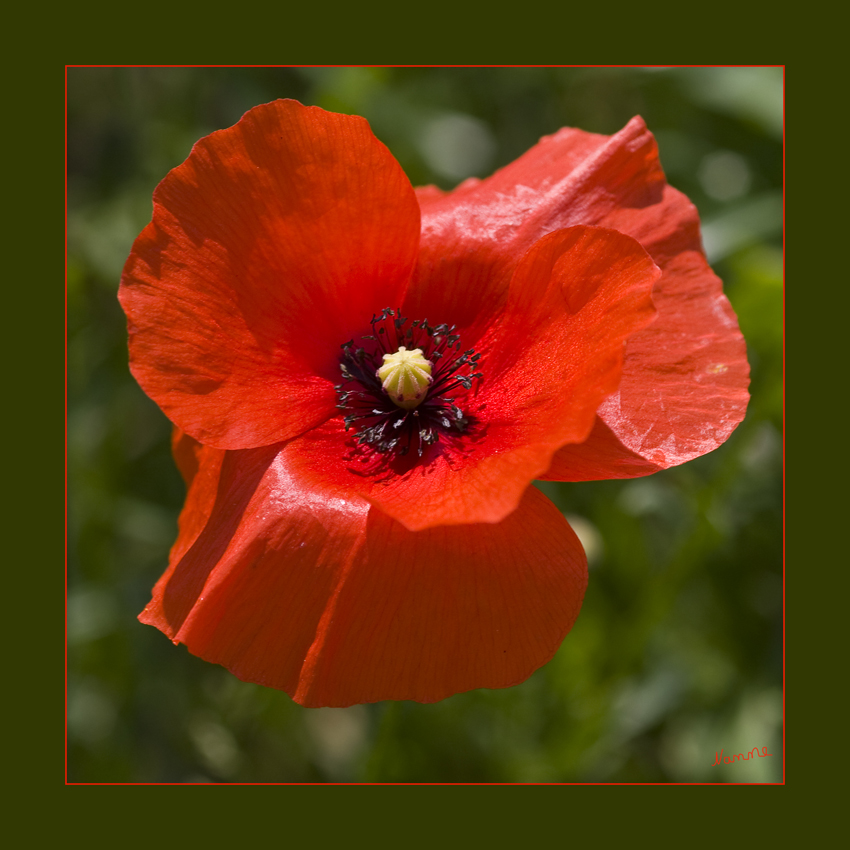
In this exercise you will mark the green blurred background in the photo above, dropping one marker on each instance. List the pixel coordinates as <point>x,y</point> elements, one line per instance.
<point>678,651</point>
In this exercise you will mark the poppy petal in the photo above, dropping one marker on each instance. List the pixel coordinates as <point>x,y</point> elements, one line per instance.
<point>424,615</point>
<point>601,456</point>
<point>685,376</point>
<point>337,604</point>
<point>269,247</point>
<point>480,230</point>
<point>557,352</point>
<point>684,384</point>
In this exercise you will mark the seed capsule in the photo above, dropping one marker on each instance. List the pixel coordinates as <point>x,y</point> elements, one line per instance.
<point>405,377</point>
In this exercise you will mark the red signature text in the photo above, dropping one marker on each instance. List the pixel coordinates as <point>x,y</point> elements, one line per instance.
<point>719,758</point>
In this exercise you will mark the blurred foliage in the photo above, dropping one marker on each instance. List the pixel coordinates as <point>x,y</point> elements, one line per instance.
<point>678,649</point>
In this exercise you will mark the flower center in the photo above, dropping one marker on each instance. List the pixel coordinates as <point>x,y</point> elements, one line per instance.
<point>402,382</point>
<point>405,377</point>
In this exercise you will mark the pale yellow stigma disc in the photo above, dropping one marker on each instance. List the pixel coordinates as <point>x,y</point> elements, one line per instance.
<point>405,377</point>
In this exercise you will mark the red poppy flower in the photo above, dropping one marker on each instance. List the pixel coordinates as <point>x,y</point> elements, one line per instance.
<point>365,380</point>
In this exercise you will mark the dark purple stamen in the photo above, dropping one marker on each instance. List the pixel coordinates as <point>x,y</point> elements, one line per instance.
<point>380,423</point>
